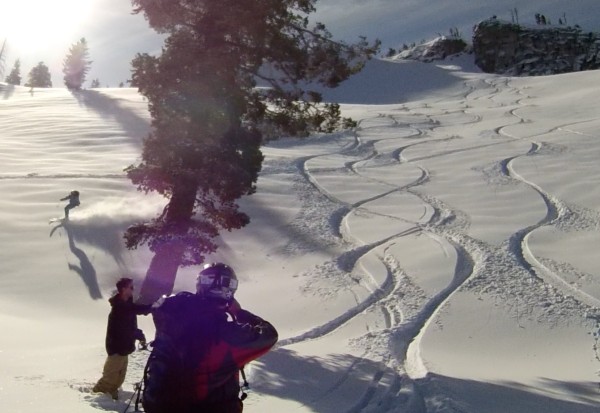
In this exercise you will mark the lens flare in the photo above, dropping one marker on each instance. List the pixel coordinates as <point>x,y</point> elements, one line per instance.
<point>41,25</point>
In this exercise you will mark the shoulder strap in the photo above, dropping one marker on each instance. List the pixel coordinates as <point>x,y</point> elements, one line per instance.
<point>245,386</point>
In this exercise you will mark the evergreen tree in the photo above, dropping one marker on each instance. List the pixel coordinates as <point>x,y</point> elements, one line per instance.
<point>2,57</point>
<point>95,83</point>
<point>209,120</point>
<point>39,76</point>
<point>76,65</point>
<point>14,77</point>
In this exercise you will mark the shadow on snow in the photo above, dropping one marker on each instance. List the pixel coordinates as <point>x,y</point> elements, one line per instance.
<point>477,396</point>
<point>135,126</point>
<point>85,270</point>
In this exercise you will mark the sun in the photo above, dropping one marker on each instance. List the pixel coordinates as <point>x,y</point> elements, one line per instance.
<point>29,26</point>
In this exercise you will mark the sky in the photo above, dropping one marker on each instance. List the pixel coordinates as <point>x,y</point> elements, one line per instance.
<point>397,22</point>
<point>38,30</point>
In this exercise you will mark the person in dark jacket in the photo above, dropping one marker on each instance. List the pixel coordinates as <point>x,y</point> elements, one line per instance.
<point>73,199</point>
<point>202,341</point>
<point>121,334</point>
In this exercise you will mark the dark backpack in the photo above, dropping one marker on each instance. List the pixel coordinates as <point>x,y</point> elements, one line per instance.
<point>185,326</point>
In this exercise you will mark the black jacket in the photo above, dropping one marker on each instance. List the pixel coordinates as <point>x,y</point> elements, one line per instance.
<point>122,330</point>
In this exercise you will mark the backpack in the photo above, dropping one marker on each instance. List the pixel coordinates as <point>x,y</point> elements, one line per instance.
<point>185,326</point>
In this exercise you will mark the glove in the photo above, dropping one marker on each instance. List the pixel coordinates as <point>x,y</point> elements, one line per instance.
<point>234,307</point>
<point>246,317</point>
<point>158,302</point>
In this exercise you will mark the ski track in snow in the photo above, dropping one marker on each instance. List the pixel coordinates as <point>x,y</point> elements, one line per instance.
<point>406,320</point>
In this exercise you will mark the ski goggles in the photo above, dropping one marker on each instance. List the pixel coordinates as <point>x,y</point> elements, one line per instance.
<point>213,280</point>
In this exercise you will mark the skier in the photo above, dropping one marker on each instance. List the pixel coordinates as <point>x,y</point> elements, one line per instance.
<point>202,341</point>
<point>73,198</point>
<point>121,333</point>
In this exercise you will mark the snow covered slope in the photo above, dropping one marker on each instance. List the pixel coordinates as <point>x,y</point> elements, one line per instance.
<point>440,258</point>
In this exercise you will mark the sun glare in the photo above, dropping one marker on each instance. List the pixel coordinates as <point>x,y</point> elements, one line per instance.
<point>33,25</point>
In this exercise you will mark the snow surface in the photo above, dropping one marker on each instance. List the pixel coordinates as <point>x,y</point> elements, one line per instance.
<point>440,258</point>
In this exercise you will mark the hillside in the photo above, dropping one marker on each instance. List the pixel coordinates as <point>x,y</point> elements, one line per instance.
<point>439,258</point>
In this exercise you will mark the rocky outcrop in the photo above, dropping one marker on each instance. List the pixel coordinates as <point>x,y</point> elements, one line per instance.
<point>436,49</point>
<point>506,48</point>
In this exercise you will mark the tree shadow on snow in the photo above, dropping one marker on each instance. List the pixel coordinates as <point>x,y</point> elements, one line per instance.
<point>329,384</point>
<point>476,396</point>
<point>347,383</point>
<point>135,126</point>
<point>385,82</point>
<point>7,91</point>
<point>85,270</point>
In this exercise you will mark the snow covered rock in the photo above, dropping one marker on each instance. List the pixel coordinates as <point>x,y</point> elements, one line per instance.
<point>436,49</point>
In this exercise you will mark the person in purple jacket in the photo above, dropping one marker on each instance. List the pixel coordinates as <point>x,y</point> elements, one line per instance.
<point>202,342</point>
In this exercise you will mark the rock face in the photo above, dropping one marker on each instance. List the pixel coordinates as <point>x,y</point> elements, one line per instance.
<point>507,48</point>
<point>436,49</point>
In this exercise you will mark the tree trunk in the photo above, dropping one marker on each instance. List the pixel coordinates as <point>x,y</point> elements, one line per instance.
<point>161,274</point>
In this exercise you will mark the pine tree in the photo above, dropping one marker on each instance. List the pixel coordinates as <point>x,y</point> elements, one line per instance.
<point>14,77</point>
<point>76,65</point>
<point>39,76</point>
<point>209,120</point>
<point>2,57</point>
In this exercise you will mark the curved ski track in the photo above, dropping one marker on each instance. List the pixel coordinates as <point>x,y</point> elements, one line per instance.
<point>402,328</point>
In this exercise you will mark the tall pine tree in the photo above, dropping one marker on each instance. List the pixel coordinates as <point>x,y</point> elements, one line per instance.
<point>209,120</point>
<point>76,65</point>
<point>2,57</point>
<point>14,77</point>
<point>39,76</point>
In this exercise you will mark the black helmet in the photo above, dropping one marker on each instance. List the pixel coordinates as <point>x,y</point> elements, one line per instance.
<point>217,280</point>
